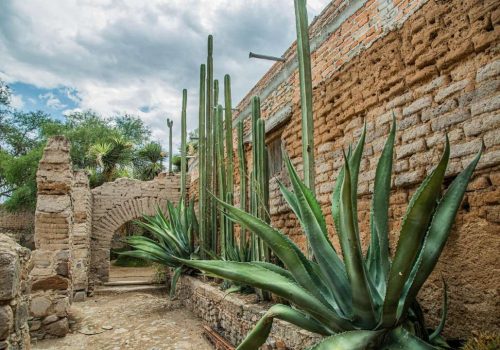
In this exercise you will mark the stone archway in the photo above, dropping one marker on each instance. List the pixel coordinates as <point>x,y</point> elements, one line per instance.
<point>116,203</point>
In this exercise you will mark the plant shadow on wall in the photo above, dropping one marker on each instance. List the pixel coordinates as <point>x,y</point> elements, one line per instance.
<point>363,301</point>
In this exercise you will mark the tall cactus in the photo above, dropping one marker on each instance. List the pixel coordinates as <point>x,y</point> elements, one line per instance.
<point>305,75</point>
<point>221,172</point>
<point>228,123</point>
<point>183,145</point>
<point>169,124</point>
<point>243,181</point>
<point>210,210</point>
<point>202,182</point>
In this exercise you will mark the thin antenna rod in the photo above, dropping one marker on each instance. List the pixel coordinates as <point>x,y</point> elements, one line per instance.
<point>265,57</point>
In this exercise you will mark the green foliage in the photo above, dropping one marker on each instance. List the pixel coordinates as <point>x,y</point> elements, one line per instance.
<point>103,146</point>
<point>363,301</point>
<point>130,261</point>
<point>173,235</point>
<point>148,161</point>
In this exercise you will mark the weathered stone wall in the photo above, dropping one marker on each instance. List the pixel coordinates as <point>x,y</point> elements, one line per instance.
<point>20,226</point>
<point>15,287</point>
<point>82,226</point>
<point>435,64</point>
<point>234,315</point>
<point>118,202</point>
<point>52,282</point>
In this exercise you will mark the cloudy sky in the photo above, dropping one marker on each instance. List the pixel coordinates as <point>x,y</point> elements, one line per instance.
<point>135,56</point>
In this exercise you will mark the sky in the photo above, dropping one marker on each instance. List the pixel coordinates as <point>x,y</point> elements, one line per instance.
<point>136,56</point>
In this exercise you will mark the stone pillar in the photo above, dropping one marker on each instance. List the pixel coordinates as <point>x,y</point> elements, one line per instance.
<point>82,225</point>
<point>15,287</point>
<point>52,282</point>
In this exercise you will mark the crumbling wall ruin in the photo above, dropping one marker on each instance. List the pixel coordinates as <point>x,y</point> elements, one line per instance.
<point>15,285</point>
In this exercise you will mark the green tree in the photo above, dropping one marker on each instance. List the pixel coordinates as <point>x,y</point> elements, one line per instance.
<point>148,162</point>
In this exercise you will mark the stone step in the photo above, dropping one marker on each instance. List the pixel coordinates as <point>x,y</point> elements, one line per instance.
<point>129,289</point>
<point>128,283</point>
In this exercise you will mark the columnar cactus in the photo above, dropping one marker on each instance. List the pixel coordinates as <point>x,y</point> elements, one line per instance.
<point>221,172</point>
<point>183,145</point>
<point>228,123</point>
<point>243,180</point>
<point>210,210</point>
<point>169,124</point>
<point>304,55</point>
<point>202,182</point>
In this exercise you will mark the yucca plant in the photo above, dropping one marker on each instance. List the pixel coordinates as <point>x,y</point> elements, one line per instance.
<point>361,301</point>
<point>173,237</point>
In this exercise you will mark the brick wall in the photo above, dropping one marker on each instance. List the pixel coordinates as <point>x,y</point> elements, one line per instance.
<point>435,64</point>
<point>19,226</point>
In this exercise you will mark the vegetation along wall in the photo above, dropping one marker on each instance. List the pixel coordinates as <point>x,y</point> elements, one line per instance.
<point>436,65</point>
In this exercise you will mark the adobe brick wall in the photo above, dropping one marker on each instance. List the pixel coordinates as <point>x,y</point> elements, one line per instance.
<point>435,64</point>
<point>19,226</point>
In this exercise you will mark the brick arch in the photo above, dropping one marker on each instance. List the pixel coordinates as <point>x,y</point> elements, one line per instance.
<point>119,202</point>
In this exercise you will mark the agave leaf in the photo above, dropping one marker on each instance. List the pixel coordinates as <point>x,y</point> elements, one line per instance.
<point>444,312</point>
<point>285,250</point>
<point>352,340</point>
<point>378,260</point>
<point>362,299</point>
<point>313,223</point>
<point>262,278</point>
<point>401,339</point>
<point>354,163</point>
<point>173,283</point>
<point>438,233</point>
<point>258,335</point>
<point>414,227</point>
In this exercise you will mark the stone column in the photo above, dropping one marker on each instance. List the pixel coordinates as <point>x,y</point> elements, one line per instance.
<point>14,294</point>
<point>82,225</point>
<point>52,282</point>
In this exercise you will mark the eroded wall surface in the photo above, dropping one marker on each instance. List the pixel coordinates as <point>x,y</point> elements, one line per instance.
<point>436,65</point>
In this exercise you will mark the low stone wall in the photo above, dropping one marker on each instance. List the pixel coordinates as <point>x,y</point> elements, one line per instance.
<point>234,315</point>
<point>15,285</point>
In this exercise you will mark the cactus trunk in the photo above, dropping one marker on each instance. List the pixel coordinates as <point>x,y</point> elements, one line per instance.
<point>169,124</point>
<point>228,123</point>
<point>183,146</point>
<point>304,56</point>
<point>243,181</point>
<point>202,182</point>
<point>221,180</point>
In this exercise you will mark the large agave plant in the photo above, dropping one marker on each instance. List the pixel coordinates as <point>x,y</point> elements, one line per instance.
<point>173,237</point>
<point>363,301</point>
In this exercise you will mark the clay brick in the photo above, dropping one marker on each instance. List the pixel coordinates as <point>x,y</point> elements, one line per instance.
<point>420,75</point>
<point>486,105</point>
<point>464,149</point>
<point>417,105</point>
<point>455,55</point>
<point>430,113</point>
<point>488,71</point>
<point>400,100</point>
<point>408,178</point>
<point>444,121</point>
<point>415,132</point>
<point>484,40</point>
<point>406,150</point>
<point>450,90</point>
<point>434,84</point>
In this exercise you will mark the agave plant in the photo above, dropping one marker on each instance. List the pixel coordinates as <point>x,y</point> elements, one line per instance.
<point>363,301</point>
<point>173,237</point>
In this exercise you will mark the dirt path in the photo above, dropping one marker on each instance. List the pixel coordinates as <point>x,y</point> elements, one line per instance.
<point>130,321</point>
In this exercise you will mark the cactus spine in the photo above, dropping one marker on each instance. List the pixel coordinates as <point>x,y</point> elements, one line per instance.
<point>183,145</point>
<point>304,55</point>
<point>202,182</point>
<point>169,124</point>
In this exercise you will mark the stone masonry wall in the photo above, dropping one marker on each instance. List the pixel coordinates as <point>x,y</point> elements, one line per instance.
<point>15,287</point>
<point>52,282</point>
<point>436,65</point>
<point>234,315</point>
<point>82,226</point>
<point>116,203</point>
<point>19,226</point>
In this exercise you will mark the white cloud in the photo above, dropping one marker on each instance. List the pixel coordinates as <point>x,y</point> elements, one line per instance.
<point>52,101</point>
<point>16,101</point>
<point>119,56</point>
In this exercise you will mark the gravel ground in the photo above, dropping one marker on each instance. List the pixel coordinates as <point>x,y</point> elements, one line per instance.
<point>130,321</point>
